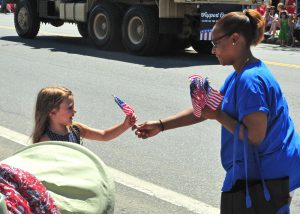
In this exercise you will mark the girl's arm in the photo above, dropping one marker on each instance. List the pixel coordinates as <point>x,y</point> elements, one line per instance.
<point>255,122</point>
<point>109,133</point>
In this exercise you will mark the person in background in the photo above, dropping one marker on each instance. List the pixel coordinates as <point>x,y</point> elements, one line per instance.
<point>296,30</point>
<point>290,6</point>
<point>284,29</point>
<point>261,8</point>
<point>276,24</point>
<point>3,7</point>
<point>252,98</point>
<point>270,16</point>
<point>54,114</point>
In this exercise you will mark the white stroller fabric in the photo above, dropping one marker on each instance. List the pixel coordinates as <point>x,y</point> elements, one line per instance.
<point>75,177</point>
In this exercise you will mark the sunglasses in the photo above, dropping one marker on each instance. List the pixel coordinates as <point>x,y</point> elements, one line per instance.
<point>214,41</point>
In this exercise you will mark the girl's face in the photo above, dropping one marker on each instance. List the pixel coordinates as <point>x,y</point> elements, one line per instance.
<point>65,113</point>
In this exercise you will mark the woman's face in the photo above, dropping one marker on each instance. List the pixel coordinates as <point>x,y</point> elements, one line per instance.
<point>222,46</point>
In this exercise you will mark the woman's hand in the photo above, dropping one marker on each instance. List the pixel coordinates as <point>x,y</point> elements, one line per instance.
<point>147,129</point>
<point>130,120</point>
<point>208,113</point>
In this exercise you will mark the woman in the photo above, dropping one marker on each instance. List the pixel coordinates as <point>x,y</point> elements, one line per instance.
<point>253,98</point>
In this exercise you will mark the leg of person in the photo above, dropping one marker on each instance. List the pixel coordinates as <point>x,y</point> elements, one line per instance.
<point>3,7</point>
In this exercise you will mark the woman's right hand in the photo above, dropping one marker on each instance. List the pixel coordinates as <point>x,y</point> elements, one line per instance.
<point>147,129</point>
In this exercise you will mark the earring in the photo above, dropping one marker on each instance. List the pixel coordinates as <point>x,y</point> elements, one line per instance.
<point>233,44</point>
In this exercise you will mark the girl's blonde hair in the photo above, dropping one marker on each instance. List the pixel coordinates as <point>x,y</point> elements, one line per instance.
<point>48,99</point>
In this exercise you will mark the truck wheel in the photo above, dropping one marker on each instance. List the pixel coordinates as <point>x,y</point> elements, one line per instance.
<point>201,46</point>
<point>83,29</point>
<point>140,34</point>
<point>27,22</point>
<point>104,26</point>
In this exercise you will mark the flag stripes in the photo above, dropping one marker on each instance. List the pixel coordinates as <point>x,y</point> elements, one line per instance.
<point>202,94</point>
<point>127,109</point>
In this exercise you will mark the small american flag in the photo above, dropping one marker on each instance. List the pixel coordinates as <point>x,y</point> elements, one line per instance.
<point>127,109</point>
<point>202,94</point>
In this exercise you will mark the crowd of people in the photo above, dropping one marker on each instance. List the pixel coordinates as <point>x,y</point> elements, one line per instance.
<point>282,22</point>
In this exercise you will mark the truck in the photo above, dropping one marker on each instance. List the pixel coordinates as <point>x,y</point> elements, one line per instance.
<point>142,27</point>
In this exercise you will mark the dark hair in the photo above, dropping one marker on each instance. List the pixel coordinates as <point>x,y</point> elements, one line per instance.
<point>249,23</point>
<point>283,12</point>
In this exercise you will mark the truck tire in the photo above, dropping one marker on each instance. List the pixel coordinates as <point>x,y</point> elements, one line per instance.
<point>104,26</point>
<point>83,29</point>
<point>201,46</point>
<point>140,34</point>
<point>27,22</point>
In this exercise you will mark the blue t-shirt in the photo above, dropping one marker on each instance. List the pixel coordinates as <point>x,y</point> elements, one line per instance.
<point>252,90</point>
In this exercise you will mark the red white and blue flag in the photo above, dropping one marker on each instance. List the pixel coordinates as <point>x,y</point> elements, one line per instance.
<point>127,109</point>
<point>202,94</point>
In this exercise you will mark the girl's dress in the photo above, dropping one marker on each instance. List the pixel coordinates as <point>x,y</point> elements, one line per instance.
<point>72,136</point>
<point>284,29</point>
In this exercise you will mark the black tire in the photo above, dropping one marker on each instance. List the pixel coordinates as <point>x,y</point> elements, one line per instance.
<point>201,46</point>
<point>57,23</point>
<point>104,26</point>
<point>83,29</point>
<point>27,22</point>
<point>140,33</point>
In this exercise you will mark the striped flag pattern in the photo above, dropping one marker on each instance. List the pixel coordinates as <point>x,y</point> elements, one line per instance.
<point>127,109</point>
<point>202,94</point>
<point>205,34</point>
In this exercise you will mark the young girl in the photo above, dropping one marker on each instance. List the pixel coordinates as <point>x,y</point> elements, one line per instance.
<point>54,114</point>
<point>284,29</point>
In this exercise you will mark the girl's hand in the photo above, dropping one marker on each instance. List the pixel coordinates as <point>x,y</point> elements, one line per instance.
<point>130,120</point>
<point>208,113</point>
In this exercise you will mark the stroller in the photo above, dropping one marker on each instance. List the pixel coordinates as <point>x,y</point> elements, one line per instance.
<point>75,177</point>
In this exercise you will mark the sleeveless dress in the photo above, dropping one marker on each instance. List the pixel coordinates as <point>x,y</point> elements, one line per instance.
<point>72,136</point>
<point>284,28</point>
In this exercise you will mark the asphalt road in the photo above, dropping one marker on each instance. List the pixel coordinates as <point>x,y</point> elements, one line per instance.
<point>184,160</point>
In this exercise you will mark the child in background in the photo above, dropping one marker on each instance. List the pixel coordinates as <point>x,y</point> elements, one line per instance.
<point>284,29</point>
<point>54,114</point>
<point>276,22</point>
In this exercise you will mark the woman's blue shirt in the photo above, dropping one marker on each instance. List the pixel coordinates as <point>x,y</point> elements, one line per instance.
<point>252,90</point>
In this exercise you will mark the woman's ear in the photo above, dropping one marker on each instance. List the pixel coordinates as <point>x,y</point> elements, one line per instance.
<point>235,37</point>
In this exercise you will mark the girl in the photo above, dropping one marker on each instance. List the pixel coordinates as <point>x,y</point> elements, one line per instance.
<point>54,114</point>
<point>284,29</point>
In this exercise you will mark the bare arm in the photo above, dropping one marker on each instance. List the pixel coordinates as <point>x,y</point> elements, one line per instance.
<point>183,118</point>
<point>109,133</point>
<point>152,128</point>
<point>255,122</point>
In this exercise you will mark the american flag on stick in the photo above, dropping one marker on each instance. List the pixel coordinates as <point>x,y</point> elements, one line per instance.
<point>202,94</point>
<point>127,109</point>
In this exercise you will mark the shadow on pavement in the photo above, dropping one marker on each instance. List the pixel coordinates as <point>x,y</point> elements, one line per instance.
<point>80,46</point>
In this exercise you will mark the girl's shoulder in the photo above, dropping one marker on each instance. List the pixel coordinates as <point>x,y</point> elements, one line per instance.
<point>44,138</point>
<point>80,128</point>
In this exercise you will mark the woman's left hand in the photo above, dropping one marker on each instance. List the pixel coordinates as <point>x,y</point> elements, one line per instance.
<point>209,113</point>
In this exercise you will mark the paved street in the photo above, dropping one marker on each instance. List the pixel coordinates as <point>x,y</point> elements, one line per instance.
<point>185,161</point>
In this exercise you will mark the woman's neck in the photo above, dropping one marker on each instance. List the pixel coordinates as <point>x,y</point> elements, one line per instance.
<point>243,61</point>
